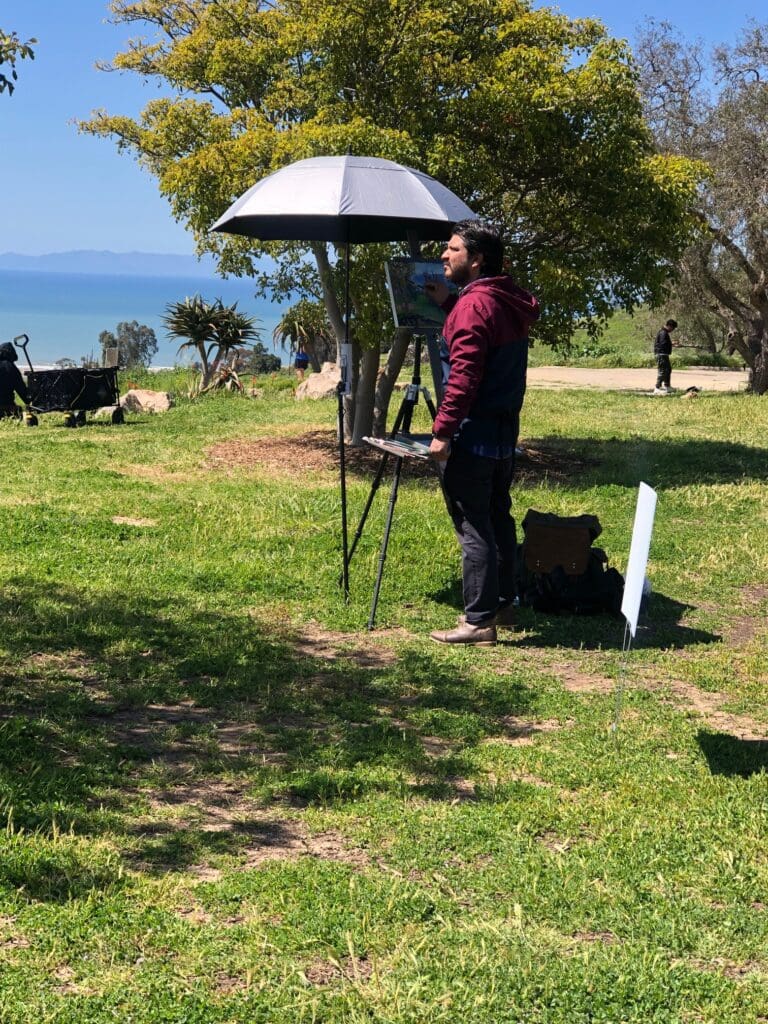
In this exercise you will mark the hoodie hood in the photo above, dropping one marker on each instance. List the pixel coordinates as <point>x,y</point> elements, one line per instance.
<point>8,352</point>
<point>486,331</point>
<point>521,307</point>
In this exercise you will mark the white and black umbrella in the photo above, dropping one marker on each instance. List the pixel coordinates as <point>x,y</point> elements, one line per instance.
<point>346,200</point>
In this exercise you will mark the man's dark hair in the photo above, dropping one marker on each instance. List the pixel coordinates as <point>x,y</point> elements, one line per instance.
<point>671,324</point>
<point>484,239</point>
<point>8,352</point>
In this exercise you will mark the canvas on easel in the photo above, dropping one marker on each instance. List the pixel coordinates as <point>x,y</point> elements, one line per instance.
<point>406,283</point>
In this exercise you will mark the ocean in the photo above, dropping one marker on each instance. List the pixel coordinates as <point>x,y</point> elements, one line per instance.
<point>63,314</point>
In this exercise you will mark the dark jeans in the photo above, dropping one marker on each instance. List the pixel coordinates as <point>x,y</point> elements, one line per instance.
<point>477,493</point>
<point>665,371</point>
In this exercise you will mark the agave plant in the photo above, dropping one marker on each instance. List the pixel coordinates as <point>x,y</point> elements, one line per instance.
<point>210,328</point>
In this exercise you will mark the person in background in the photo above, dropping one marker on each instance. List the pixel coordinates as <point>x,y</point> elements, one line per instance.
<point>11,382</point>
<point>300,363</point>
<point>662,349</point>
<point>476,428</point>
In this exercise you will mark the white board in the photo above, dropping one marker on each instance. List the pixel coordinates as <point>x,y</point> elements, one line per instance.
<point>638,555</point>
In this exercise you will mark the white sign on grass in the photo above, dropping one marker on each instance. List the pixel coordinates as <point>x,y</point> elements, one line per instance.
<point>638,555</point>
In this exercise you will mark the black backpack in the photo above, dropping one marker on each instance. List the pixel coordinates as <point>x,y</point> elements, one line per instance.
<point>559,570</point>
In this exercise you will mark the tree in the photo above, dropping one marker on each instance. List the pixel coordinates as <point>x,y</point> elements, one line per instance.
<point>12,50</point>
<point>715,109</point>
<point>258,360</point>
<point>531,117</point>
<point>135,343</point>
<point>305,325</point>
<point>213,330</point>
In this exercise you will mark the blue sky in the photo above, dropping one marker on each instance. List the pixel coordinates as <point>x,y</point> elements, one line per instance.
<point>60,190</point>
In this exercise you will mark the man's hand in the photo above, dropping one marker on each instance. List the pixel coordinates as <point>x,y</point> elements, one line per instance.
<point>439,449</point>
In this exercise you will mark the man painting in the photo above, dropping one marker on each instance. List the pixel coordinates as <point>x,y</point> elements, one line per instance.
<point>476,428</point>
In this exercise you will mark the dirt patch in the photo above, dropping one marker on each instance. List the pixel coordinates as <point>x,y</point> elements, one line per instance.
<point>287,839</point>
<point>582,682</point>
<point>708,706</point>
<point>741,630</point>
<point>318,451</point>
<point>179,733</point>
<point>728,968</point>
<point>225,984</point>
<point>755,593</point>
<point>133,521</point>
<point>543,460</point>
<point>195,915</point>
<point>326,972</point>
<point>316,642</point>
<point>73,664</point>
<point>518,732</point>
<point>158,474</point>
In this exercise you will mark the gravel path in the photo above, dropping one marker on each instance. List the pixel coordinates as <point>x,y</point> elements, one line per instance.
<point>634,380</point>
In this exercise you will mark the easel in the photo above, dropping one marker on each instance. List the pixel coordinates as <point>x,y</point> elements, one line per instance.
<point>401,425</point>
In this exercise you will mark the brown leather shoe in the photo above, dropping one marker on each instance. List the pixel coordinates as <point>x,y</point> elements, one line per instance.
<point>464,633</point>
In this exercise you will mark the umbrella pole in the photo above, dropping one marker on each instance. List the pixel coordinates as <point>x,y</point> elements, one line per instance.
<point>342,389</point>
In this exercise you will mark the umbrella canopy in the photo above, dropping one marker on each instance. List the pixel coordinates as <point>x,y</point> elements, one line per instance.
<point>345,199</point>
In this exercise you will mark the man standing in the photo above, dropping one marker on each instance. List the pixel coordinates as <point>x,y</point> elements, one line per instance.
<point>662,349</point>
<point>476,428</point>
<point>11,382</point>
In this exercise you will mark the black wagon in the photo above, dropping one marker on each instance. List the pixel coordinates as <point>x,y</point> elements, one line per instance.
<point>73,390</point>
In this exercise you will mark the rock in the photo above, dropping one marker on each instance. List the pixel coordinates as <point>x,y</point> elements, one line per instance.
<point>320,385</point>
<point>104,413</point>
<point>142,400</point>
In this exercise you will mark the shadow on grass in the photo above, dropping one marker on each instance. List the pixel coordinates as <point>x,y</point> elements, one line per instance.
<point>132,716</point>
<point>659,629</point>
<point>660,463</point>
<point>729,755</point>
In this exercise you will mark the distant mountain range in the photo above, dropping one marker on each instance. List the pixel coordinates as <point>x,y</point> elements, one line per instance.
<point>132,264</point>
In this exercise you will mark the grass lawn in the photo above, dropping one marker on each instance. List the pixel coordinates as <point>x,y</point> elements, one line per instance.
<point>226,801</point>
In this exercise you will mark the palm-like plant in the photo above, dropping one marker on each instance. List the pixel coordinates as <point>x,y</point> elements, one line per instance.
<point>306,326</point>
<point>210,328</point>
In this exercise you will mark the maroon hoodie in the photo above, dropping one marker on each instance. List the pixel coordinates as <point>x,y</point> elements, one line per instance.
<point>486,331</point>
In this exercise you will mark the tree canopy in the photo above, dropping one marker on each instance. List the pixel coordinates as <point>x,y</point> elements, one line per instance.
<point>12,49</point>
<point>715,108</point>
<point>135,343</point>
<point>532,118</point>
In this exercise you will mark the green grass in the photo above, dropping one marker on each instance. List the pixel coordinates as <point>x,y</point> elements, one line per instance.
<point>224,800</point>
<point>628,342</point>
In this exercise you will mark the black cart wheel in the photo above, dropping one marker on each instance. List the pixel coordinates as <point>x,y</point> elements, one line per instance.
<point>30,419</point>
<point>70,420</point>
<point>80,418</point>
<point>118,416</point>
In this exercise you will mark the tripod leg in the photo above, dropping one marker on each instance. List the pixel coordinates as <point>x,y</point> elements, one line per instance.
<point>404,413</point>
<point>385,540</point>
<point>371,495</point>
<point>343,481</point>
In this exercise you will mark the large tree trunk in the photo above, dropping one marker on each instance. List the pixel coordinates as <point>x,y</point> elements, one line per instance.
<point>364,395</point>
<point>332,307</point>
<point>758,370</point>
<point>388,378</point>
<point>309,348</point>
